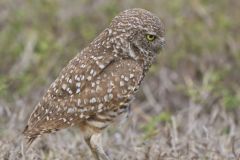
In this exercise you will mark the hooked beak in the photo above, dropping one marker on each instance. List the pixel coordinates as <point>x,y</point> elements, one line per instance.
<point>162,42</point>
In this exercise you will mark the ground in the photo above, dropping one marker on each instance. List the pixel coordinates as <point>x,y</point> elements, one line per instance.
<point>188,106</point>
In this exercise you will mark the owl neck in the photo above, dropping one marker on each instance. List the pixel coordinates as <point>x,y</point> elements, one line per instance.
<point>128,51</point>
<point>143,57</point>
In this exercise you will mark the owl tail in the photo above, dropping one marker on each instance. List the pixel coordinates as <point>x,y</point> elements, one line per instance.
<point>29,138</point>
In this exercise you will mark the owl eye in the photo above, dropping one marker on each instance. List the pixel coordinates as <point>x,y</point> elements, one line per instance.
<point>150,37</point>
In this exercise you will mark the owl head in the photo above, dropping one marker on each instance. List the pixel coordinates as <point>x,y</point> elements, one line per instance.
<point>139,32</point>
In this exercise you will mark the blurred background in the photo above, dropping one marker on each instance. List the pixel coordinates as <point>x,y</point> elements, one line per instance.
<point>188,106</point>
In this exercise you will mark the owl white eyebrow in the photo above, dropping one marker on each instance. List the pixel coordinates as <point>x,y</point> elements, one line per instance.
<point>152,33</point>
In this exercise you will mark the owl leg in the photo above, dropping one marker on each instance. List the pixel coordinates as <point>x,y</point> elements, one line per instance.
<point>95,144</point>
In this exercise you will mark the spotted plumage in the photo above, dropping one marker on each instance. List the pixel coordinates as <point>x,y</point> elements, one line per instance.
<point>96,87</point>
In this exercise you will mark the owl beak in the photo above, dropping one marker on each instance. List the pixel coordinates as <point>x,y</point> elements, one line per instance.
<point>162,42</point>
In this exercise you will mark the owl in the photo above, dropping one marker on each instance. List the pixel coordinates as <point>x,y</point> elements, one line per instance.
<point>96,87</point>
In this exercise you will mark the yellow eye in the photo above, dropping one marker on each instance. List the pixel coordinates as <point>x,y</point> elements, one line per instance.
<point>150,37</point>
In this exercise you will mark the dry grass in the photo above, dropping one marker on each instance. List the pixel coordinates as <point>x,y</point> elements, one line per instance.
<point>188,107</point>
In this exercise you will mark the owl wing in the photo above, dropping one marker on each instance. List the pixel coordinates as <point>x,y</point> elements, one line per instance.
<point>103,95</point>
<point>106,90</point>
<point>72,80</point>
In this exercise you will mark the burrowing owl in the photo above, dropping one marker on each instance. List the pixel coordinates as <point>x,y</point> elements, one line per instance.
<point>96,86</point>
